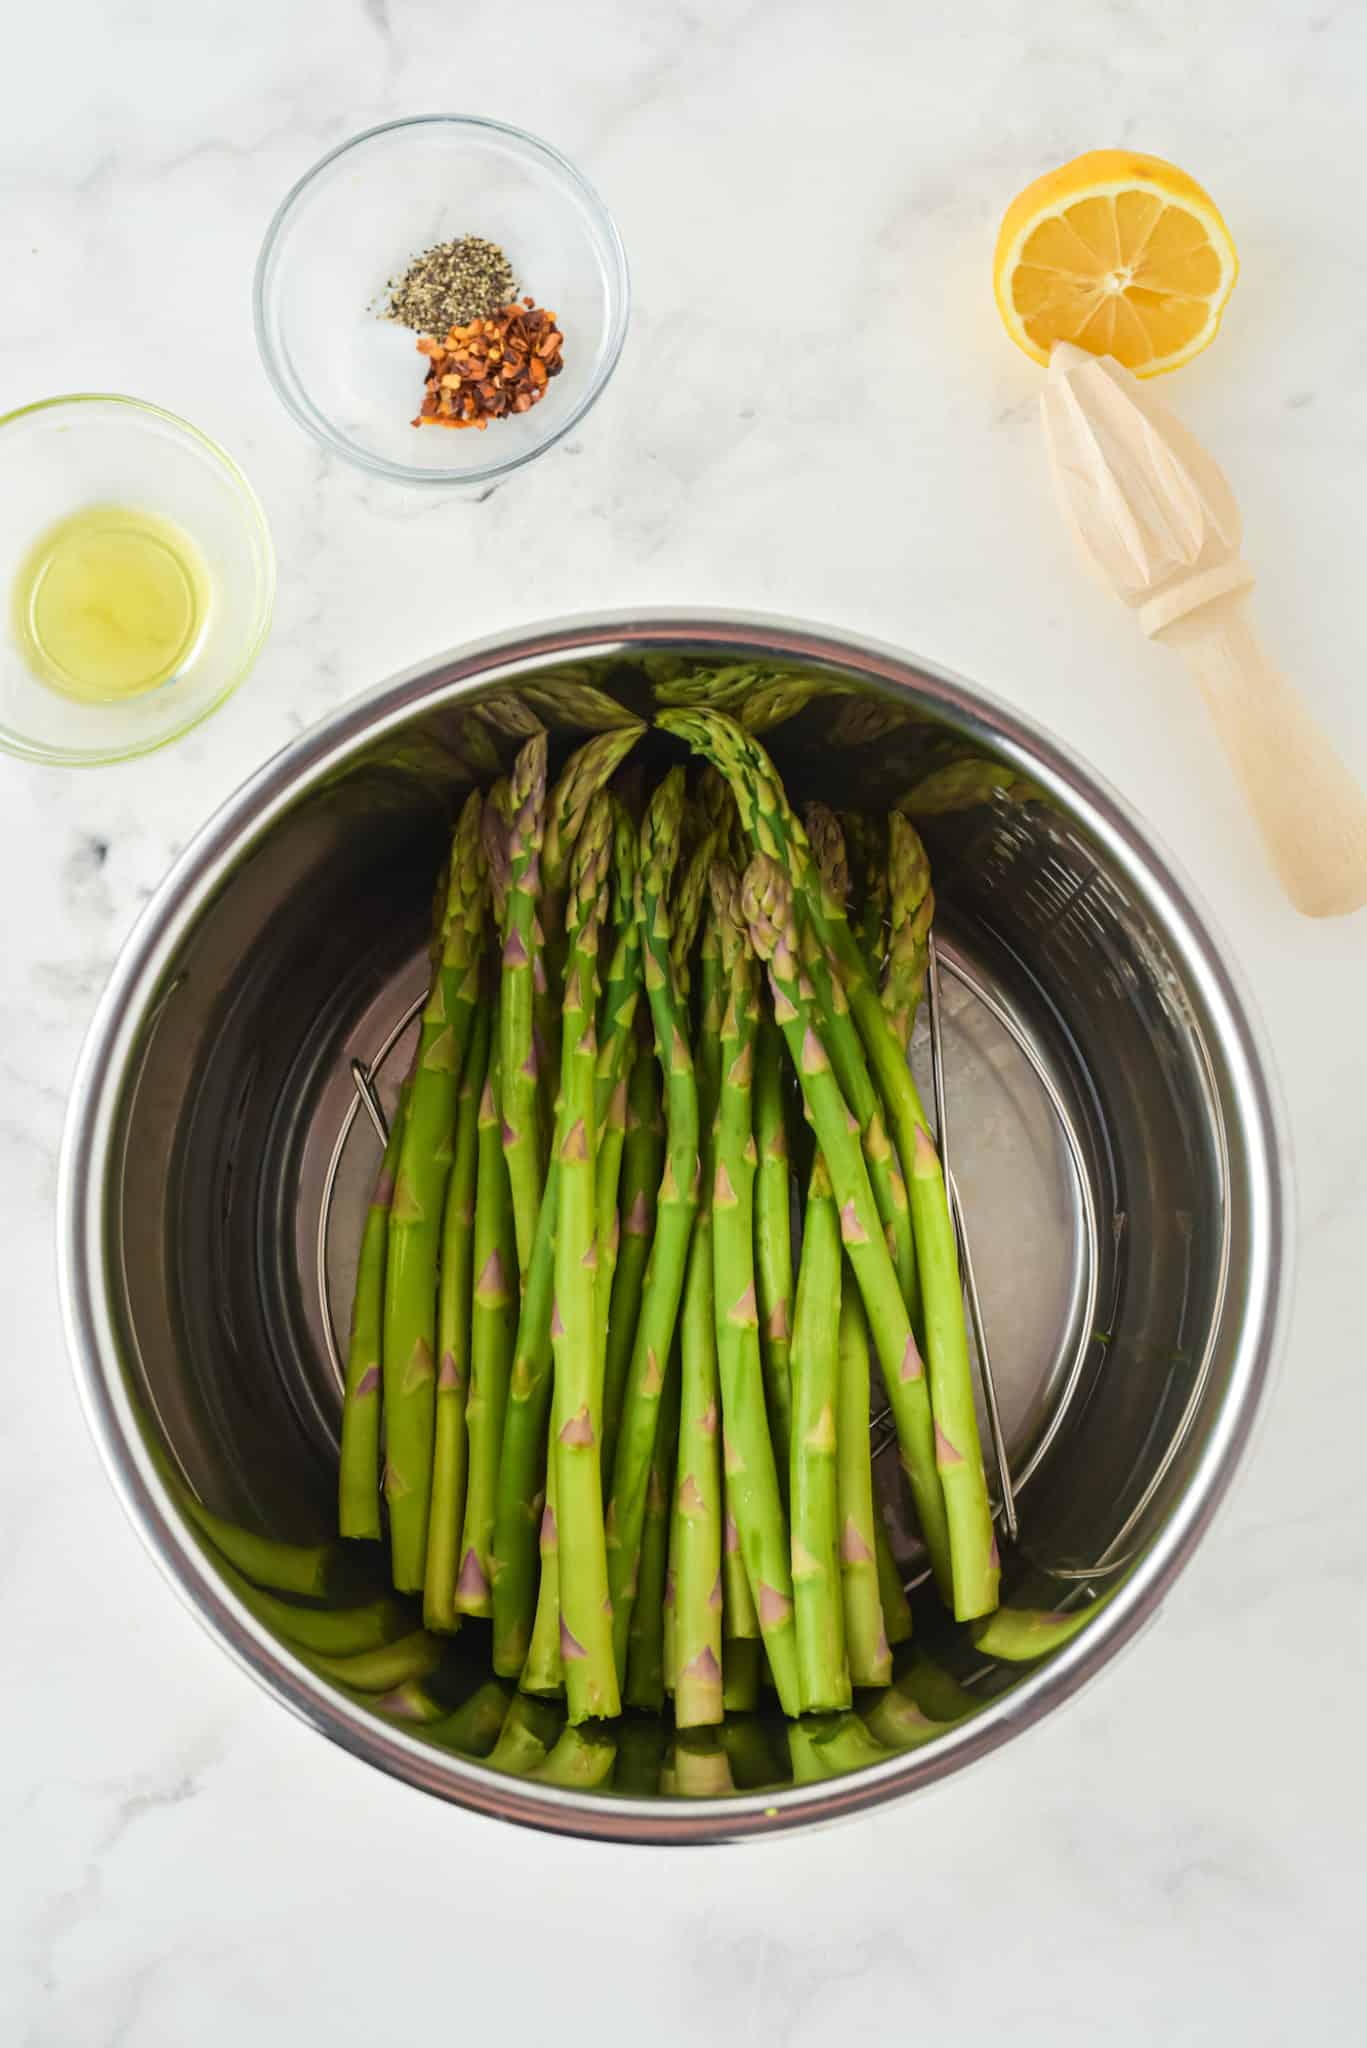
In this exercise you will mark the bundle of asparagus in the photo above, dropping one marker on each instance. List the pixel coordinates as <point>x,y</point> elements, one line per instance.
<point>607,1386</point>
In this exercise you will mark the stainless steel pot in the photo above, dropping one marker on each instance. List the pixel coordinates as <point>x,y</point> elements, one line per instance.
<point>1117,1143</point>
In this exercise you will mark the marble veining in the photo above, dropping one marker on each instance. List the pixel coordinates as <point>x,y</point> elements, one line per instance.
<point>816,413</point>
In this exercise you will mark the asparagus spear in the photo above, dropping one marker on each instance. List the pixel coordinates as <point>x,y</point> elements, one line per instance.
<point>677,1204</point>
<point>820,1618</point>
<point>741,1657</point>
<point>645,1680</point>
<point>586,1644</point>
<point>358,1472</point>
<point>333,1631</point>
<point>528,1735</point>
<point>897,1722</point>
<point>849,1061</point>
<point>696,1537</point>
<point>543,1671</point>
<point>749,1451</point>
<point>866,843</point>
<point>415,1216</point>
<point>520,1490</point>
<point>892,1595</point>
<point>303,1568</point>
<point>588,770</point>
<point>911,905</point>
<point>377,1670</point>
<point>829,1745</point>
<point>1019,1634</point>
<point>777,832</point>
<point>958,1451</point>
<point>450,1447</point>
<point>686,909</point>
<point>621,999</point>
<point>493,1328</point>
<point>474,1727</point>
<point>411,1701</point>
<point>642,1163</point>
<point>774,1238</point>
<point>866,1642</point>
<point>523,972</point>
<point>768,903</point>
<point>935,1692</point>
<point>702,1767</point>
<point>582,1760</point>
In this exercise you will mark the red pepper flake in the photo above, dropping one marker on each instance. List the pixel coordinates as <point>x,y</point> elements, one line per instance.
<point>490,368</point>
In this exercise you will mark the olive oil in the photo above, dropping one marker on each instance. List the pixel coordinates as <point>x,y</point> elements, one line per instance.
<point>110,602</point>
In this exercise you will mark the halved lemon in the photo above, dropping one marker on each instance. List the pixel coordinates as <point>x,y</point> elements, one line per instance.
<point>1123,254</point>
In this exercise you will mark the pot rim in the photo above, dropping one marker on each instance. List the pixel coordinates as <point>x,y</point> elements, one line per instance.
<point>132,987</point>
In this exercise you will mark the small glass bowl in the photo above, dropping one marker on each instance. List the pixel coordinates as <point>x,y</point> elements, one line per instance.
<point>94,448</point>
<point>358,219</point>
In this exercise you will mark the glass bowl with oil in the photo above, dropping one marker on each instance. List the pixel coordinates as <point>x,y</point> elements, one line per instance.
<point>136,574</point>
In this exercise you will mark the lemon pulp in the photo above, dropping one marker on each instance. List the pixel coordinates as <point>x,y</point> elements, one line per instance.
<point>110,602</point>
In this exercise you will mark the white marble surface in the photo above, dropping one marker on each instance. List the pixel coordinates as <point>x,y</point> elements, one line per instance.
<point>1178,1858</point>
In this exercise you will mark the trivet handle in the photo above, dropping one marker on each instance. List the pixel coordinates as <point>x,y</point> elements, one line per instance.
<point>1309,808</point>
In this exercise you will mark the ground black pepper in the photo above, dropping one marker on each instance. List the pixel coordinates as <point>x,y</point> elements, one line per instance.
<point>451,285</point>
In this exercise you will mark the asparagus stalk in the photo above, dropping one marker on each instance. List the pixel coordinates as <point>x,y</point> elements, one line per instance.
<point>866,1642</point>
<point>749,1451</point>
<point>898,1722</point>
<point>303,1568</point>
<point>696,1536</point>
<point>586,1636</point>
<point>1019,1634</point>
<point>958,1451</point>
<point>493,1329</point>
<point>935,1692</point>
<point>474,1727</point>
<point>774,1239</point>
<point>411,1701</point>
<point>415,1216</point>
<point>768,903</point>
<point>332,1631</point>
<point>377,1670</point>
<point>702,1767</point>
<point>849,1061</point>
<point>677,1204</point>
<point>523,973</point>
<point>642,1163</point>
<point>687,908</point>
<point>528,1735</point>
<point>621,1000</point>
<point>818,1601</point>
<point>897,1622</point>
<point>827,1746</point>
<point>543,1671</point>
<point>588,771</point>
<point>911,906</point>
<point>646,1653</point>
<point>358,1472</point>
<point>454,1300</point>
<point>582,1760</point>
<point>866,842</point>
<point>520,1489</point>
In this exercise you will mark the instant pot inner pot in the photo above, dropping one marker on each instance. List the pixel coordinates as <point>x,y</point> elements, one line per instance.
<point>1087,1140</point>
